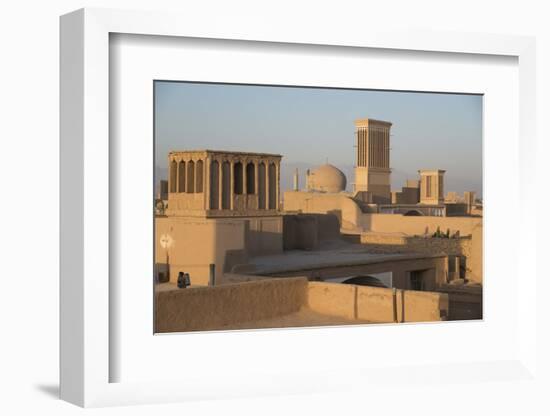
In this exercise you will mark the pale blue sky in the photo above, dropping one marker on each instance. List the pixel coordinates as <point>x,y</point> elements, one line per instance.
<point>309,125</point>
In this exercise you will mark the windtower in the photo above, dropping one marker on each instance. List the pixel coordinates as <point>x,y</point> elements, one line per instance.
<point>431,186</point>
<point>372,171</point>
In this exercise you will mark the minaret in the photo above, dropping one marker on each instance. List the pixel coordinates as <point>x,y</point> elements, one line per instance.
<point>372,171</point>
<point>296,181</point>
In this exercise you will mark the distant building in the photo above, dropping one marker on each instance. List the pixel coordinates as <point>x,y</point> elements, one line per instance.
<point>222,207</point>
<point>372,173</point>
<point>409,194</point>
<point>375,213</point>
<point>161,200</point>
<point>469,200</point>
<point>162,191</point>
<point>452,198</point>
<point>431,186</point>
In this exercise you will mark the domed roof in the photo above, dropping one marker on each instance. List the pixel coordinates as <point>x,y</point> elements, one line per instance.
<point>326,178</point>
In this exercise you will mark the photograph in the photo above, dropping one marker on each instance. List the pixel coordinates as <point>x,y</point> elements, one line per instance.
<point>275,208</point>
<point>290,206</point>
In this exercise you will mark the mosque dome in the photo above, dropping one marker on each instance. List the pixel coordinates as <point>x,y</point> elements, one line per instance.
<point>326,178</point>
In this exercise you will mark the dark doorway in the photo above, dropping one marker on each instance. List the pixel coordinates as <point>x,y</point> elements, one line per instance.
<point>417,280</point>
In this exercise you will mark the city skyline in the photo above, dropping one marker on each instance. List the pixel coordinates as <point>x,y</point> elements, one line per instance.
<point>239,245</point>
<point>310,126</point>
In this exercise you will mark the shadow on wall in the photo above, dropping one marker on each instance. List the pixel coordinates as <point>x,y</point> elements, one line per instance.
<point>208,308</point>
<point>259,239</point>
<point>233,258</point>
<point>262,242</point>
<point>307,231</point>
<point>337,213</point>
<point>257,243</point>
<point>366,222</point>
<point>464,303</point>
<point>412,213</point>
<point>162,271</point>
<point>234,242</point>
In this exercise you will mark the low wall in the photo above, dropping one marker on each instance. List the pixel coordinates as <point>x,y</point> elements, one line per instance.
<point>376,304</point>
<point>410,225</point>
<point>391,243</point>
<point>208,308</point>
<point>219,307</point>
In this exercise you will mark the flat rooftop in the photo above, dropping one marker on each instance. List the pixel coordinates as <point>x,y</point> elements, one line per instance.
<point>330,254</point>
<point>225,152</point>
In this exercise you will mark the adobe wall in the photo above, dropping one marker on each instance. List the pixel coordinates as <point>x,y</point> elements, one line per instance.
<point>208,308</point>
<point>396,243</point>
<point>341,205</point>
<point>465,302</point>
<point>411,226</point>
<point>406,195</point>
<point>263,235</point>
<point>306,231</point>
<point>476,255</point>
<point>186,203</point>
<point>394,223</point>
<point>198,242</point>
<point>376,304</point>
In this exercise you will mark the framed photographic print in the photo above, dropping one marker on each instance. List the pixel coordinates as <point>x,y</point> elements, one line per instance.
<point>284,239</point>
<point>271,212</point>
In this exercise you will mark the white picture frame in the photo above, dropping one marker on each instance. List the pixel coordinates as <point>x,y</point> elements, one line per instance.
<point>87,356</point>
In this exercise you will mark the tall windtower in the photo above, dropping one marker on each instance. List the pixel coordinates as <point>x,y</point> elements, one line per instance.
<point>372,173</point>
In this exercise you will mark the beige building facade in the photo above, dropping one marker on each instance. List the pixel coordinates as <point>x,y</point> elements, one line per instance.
<point>432,186</point>
<point>222,208</point>
<point>409,194</point>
